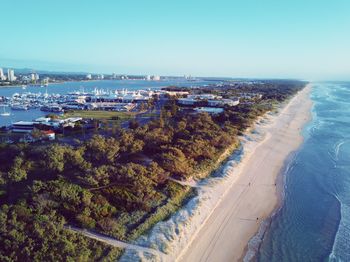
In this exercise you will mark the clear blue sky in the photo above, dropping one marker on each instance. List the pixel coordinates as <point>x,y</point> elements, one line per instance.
<point>238,38</point>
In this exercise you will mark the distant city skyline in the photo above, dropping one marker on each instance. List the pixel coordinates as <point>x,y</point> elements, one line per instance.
<point>266,39</point>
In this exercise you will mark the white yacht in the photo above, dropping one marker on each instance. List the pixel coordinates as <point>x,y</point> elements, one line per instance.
<point>19,107</point>
<point>4,112</point>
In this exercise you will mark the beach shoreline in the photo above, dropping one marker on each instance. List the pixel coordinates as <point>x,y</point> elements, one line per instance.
<point>252,248</point>
<point>208,243</point>
<point>253,245</point>
<point>189,234</point>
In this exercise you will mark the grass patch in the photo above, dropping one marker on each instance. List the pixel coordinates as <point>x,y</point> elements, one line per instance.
<point>100,114</point>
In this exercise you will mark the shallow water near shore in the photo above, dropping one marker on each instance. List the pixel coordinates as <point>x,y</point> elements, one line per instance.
<point>313,223</point>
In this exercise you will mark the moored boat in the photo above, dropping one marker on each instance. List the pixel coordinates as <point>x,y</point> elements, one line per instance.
<point>4,112</point>
<point>19,107</point>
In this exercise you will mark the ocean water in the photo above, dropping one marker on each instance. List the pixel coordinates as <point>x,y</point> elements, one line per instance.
<point>64,88</point>
<point>313,223</point>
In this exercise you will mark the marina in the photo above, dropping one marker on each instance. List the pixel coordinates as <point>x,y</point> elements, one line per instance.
<point>120,95</point>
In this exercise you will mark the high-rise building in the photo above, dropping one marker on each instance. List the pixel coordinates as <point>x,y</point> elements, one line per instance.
<point>11,75</point>
<point>88,76</point>
<point>2,76</point>
<point>155,78</point>
<point>34,77</point>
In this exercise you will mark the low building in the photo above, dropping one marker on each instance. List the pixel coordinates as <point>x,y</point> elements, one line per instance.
<point>48,122</point>
<point>209,110</point>
<point>42,119</point>
<point>215,101</point>
<point>49,134</point>
<point>55,124</point>
<point>23,127</point>
<point>186,101</point>
<point>223,102</point>
<point>204,96</point>
<point>250,95</point>
<point>38,135</point>
<point>71,121</point>
<point>230,102</point>
<point>176,93</point>
<point>111,106</point>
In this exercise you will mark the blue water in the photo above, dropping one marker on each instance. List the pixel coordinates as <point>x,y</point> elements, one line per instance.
<point>64,88</point>
<point>313,223</point>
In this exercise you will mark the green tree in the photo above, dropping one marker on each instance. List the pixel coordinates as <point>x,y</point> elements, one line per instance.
<point>18,171</point>
<point>176,163</point>
<point>100,150</point>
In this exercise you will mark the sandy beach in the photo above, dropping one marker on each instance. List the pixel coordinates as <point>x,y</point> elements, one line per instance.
<point>254,195</point>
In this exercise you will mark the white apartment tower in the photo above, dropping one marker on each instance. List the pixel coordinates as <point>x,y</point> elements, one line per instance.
<point>11,75</point>
<point>155,78</point>
<point>2,76</point>
<point>34,77</point>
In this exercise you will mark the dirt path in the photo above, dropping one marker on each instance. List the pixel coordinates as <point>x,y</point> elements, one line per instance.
<point>115,242</point>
